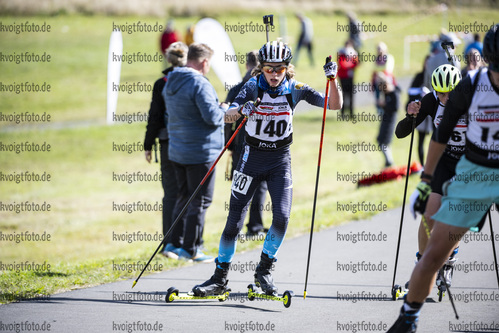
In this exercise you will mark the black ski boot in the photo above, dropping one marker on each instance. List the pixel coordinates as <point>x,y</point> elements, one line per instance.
<point>407,322</point>
<point>263,278</point>
<point>217,284</point>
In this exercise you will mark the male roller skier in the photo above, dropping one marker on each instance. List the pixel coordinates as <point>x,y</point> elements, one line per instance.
<point>473,189</point>
<point>444,79</point>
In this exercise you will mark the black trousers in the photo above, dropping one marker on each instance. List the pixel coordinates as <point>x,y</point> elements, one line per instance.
<point>170,188</point>
<point>188,233</point>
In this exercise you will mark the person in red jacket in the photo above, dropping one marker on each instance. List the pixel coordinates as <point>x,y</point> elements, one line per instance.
<point>168,37</point>
<point>348,60</point>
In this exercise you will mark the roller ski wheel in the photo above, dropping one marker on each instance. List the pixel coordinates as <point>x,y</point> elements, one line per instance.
<point>441,289</point>
<point>173,294</point>
<point>285,298</point>
<point>251,292</point>
<point>441,292</point>
<point>398,292</point>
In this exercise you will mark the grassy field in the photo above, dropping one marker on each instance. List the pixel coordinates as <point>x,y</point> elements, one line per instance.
<point>155,8</point>
<point>81,222</point>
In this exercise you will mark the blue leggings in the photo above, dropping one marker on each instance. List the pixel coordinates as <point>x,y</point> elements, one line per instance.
<point>256,166</point>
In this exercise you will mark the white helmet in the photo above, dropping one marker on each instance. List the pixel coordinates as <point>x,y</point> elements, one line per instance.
<point>275,52</point>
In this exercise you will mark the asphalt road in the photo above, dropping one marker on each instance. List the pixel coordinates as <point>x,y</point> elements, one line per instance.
<point>348,290</point>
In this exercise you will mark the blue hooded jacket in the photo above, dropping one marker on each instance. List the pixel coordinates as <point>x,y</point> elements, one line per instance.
<point>193,117</point>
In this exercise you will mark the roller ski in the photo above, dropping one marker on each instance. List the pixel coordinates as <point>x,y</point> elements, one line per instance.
<point>173,294</point>
<point>214,288</point>
<point>285,298</point>
<point>264,281</point>
<point>397,291</point>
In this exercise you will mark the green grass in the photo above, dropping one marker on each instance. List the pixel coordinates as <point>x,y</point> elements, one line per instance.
<point>81,192</point>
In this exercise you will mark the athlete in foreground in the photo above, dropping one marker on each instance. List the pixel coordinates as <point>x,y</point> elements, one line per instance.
<point>474,189</point>
<point>265,157</point>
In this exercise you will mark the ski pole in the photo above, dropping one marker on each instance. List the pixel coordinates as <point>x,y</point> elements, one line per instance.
<point>155,151</point>
<point>182,212</point>
<point>328,59</point>
<point>450,296</point>
<point>426,227</point>
<point>493,246</point>
<point>403,201</point>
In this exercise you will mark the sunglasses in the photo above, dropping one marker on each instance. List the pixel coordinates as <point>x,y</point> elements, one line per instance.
<point>278,69</point>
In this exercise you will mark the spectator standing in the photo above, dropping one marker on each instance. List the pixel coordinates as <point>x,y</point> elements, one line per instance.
<point>168,37</point>
<point>176,55</point>
<point>348,60</point>
<point>195,126</point>
<point>306,36</point>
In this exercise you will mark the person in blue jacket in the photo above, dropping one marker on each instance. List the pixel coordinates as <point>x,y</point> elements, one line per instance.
<point>195,123</point>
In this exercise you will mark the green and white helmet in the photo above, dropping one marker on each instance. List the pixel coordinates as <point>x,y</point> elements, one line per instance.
<point>445,78</point>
